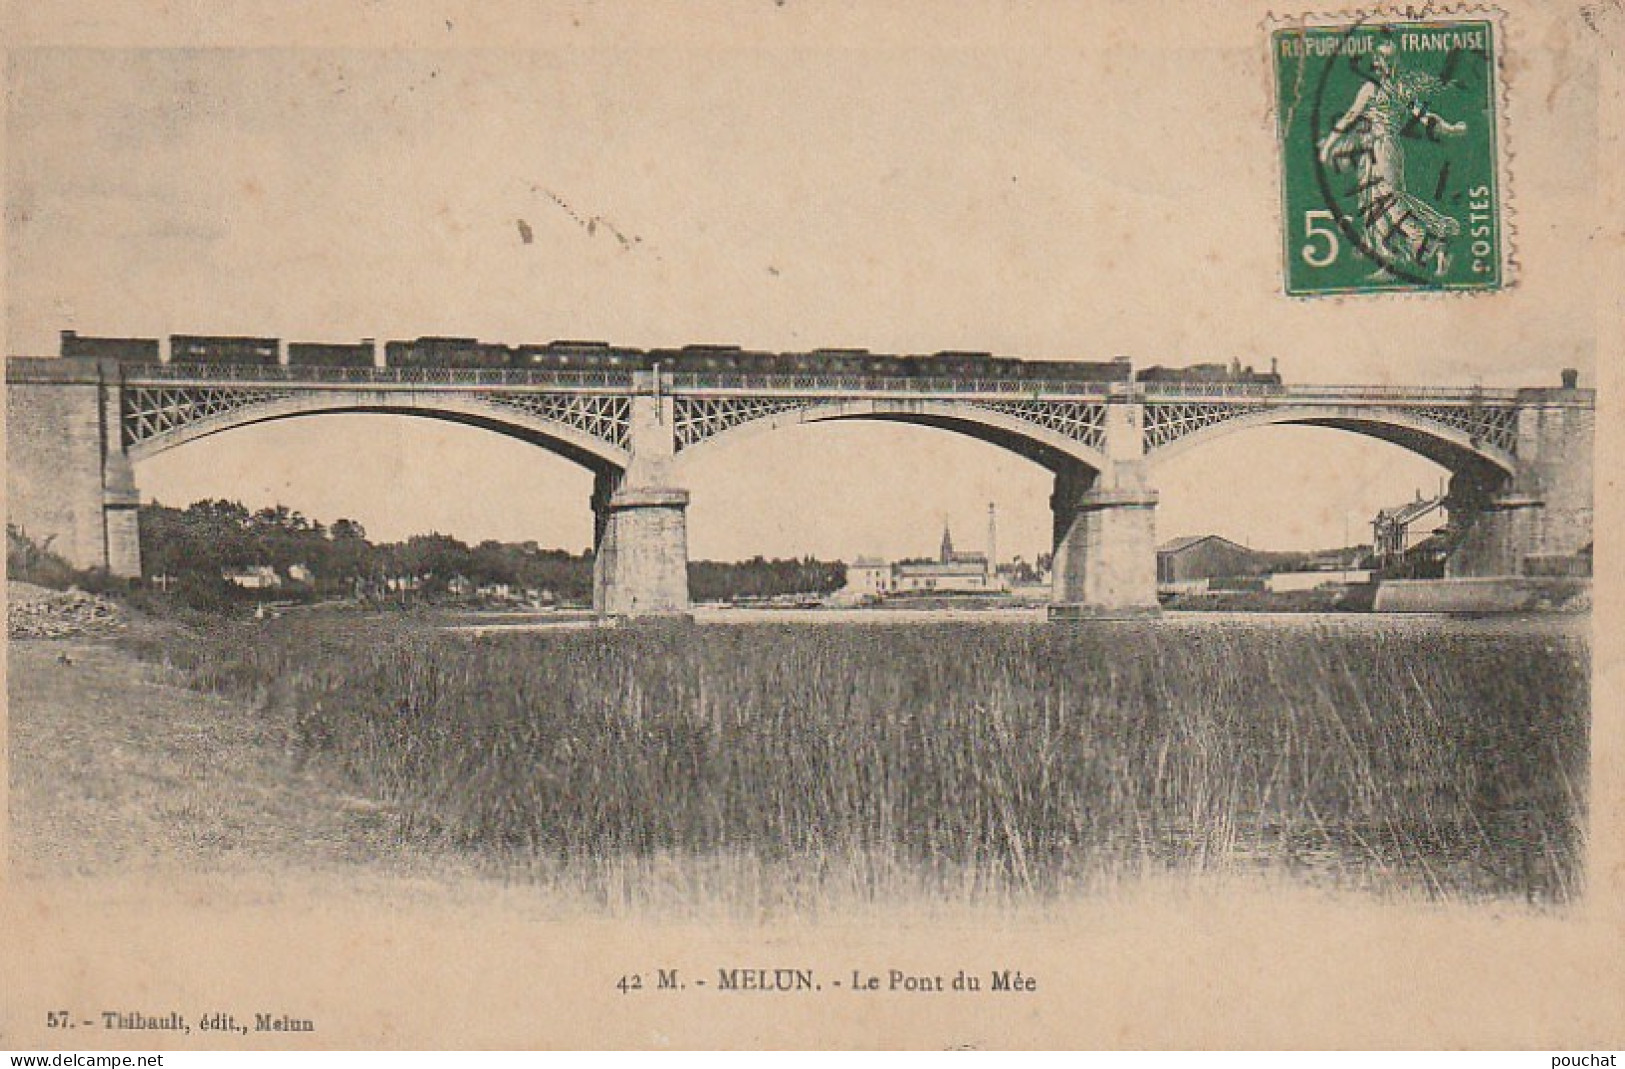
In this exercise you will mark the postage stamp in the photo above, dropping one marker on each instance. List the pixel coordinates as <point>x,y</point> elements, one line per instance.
<point>1389,156</point>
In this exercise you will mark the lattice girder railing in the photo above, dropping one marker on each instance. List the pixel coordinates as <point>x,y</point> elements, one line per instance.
<point>150,412</point>
<point>697,418</point>
<point>1494,425</point>
<point>1167,422</point>
<point>605,417</point>
<point>1082,421</point>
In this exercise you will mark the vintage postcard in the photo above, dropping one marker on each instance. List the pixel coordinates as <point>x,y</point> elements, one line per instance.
<point>782,524</point>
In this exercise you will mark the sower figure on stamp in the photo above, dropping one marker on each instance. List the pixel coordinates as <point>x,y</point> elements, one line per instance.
<point>1397,224</point>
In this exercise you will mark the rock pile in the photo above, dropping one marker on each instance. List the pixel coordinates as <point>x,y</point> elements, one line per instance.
<point>35,612</point>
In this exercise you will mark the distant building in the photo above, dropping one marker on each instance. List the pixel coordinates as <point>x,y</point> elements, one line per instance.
<point>1195,559</point>
<point>1391,528</point>
<point>1337,560</point>
<point>301,573</point>
<point>949,555</point>
<point>869,576</point>
<point>253,577</point>
<point>943,577</point>
<point>953,572</point>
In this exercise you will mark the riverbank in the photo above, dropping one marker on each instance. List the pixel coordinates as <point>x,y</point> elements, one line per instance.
<point>170,852</point>
<point>118,767</point>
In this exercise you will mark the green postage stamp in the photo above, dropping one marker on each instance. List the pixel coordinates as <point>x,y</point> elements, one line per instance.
<point>1388,144</point>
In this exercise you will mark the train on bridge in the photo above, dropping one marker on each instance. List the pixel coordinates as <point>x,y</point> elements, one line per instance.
<point>567,355</point>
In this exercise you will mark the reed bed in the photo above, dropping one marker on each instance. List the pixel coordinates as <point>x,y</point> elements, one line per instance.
<point>963,759</point>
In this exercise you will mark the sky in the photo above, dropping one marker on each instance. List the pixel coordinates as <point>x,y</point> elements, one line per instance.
<point>1048,182</point>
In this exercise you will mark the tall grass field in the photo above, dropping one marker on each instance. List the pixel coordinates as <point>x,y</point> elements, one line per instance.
<point>958,759</point>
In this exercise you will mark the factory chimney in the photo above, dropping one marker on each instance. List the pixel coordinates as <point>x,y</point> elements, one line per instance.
<point>992,545</point>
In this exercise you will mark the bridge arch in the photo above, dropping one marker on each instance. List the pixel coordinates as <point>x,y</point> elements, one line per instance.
<point>1072,434</point>
<point>1453,448</point>
<point>532,425</point>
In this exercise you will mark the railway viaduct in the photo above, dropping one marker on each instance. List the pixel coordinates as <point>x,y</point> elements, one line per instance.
<point>1520,460</point>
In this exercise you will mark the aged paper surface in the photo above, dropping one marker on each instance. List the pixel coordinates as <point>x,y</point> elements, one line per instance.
<point>1065,181</point>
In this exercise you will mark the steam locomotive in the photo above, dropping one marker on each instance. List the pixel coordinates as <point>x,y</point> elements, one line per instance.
<point>573,355</point>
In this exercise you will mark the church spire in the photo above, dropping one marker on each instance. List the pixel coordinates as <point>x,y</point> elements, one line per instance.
<point>947,544</point>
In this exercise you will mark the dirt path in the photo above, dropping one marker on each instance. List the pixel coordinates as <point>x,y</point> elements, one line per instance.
<point>116,768</point>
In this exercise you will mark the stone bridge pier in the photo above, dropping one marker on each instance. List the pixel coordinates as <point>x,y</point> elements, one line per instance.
<point>640,521</point>
<point>69,485</point>
<point>1530,521</point>
<point>1105,562</point>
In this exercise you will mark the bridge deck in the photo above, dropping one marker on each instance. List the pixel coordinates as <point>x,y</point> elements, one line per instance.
<point>804,385</point>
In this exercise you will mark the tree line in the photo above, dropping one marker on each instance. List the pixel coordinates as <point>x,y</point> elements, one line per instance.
<point>191,550</point>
